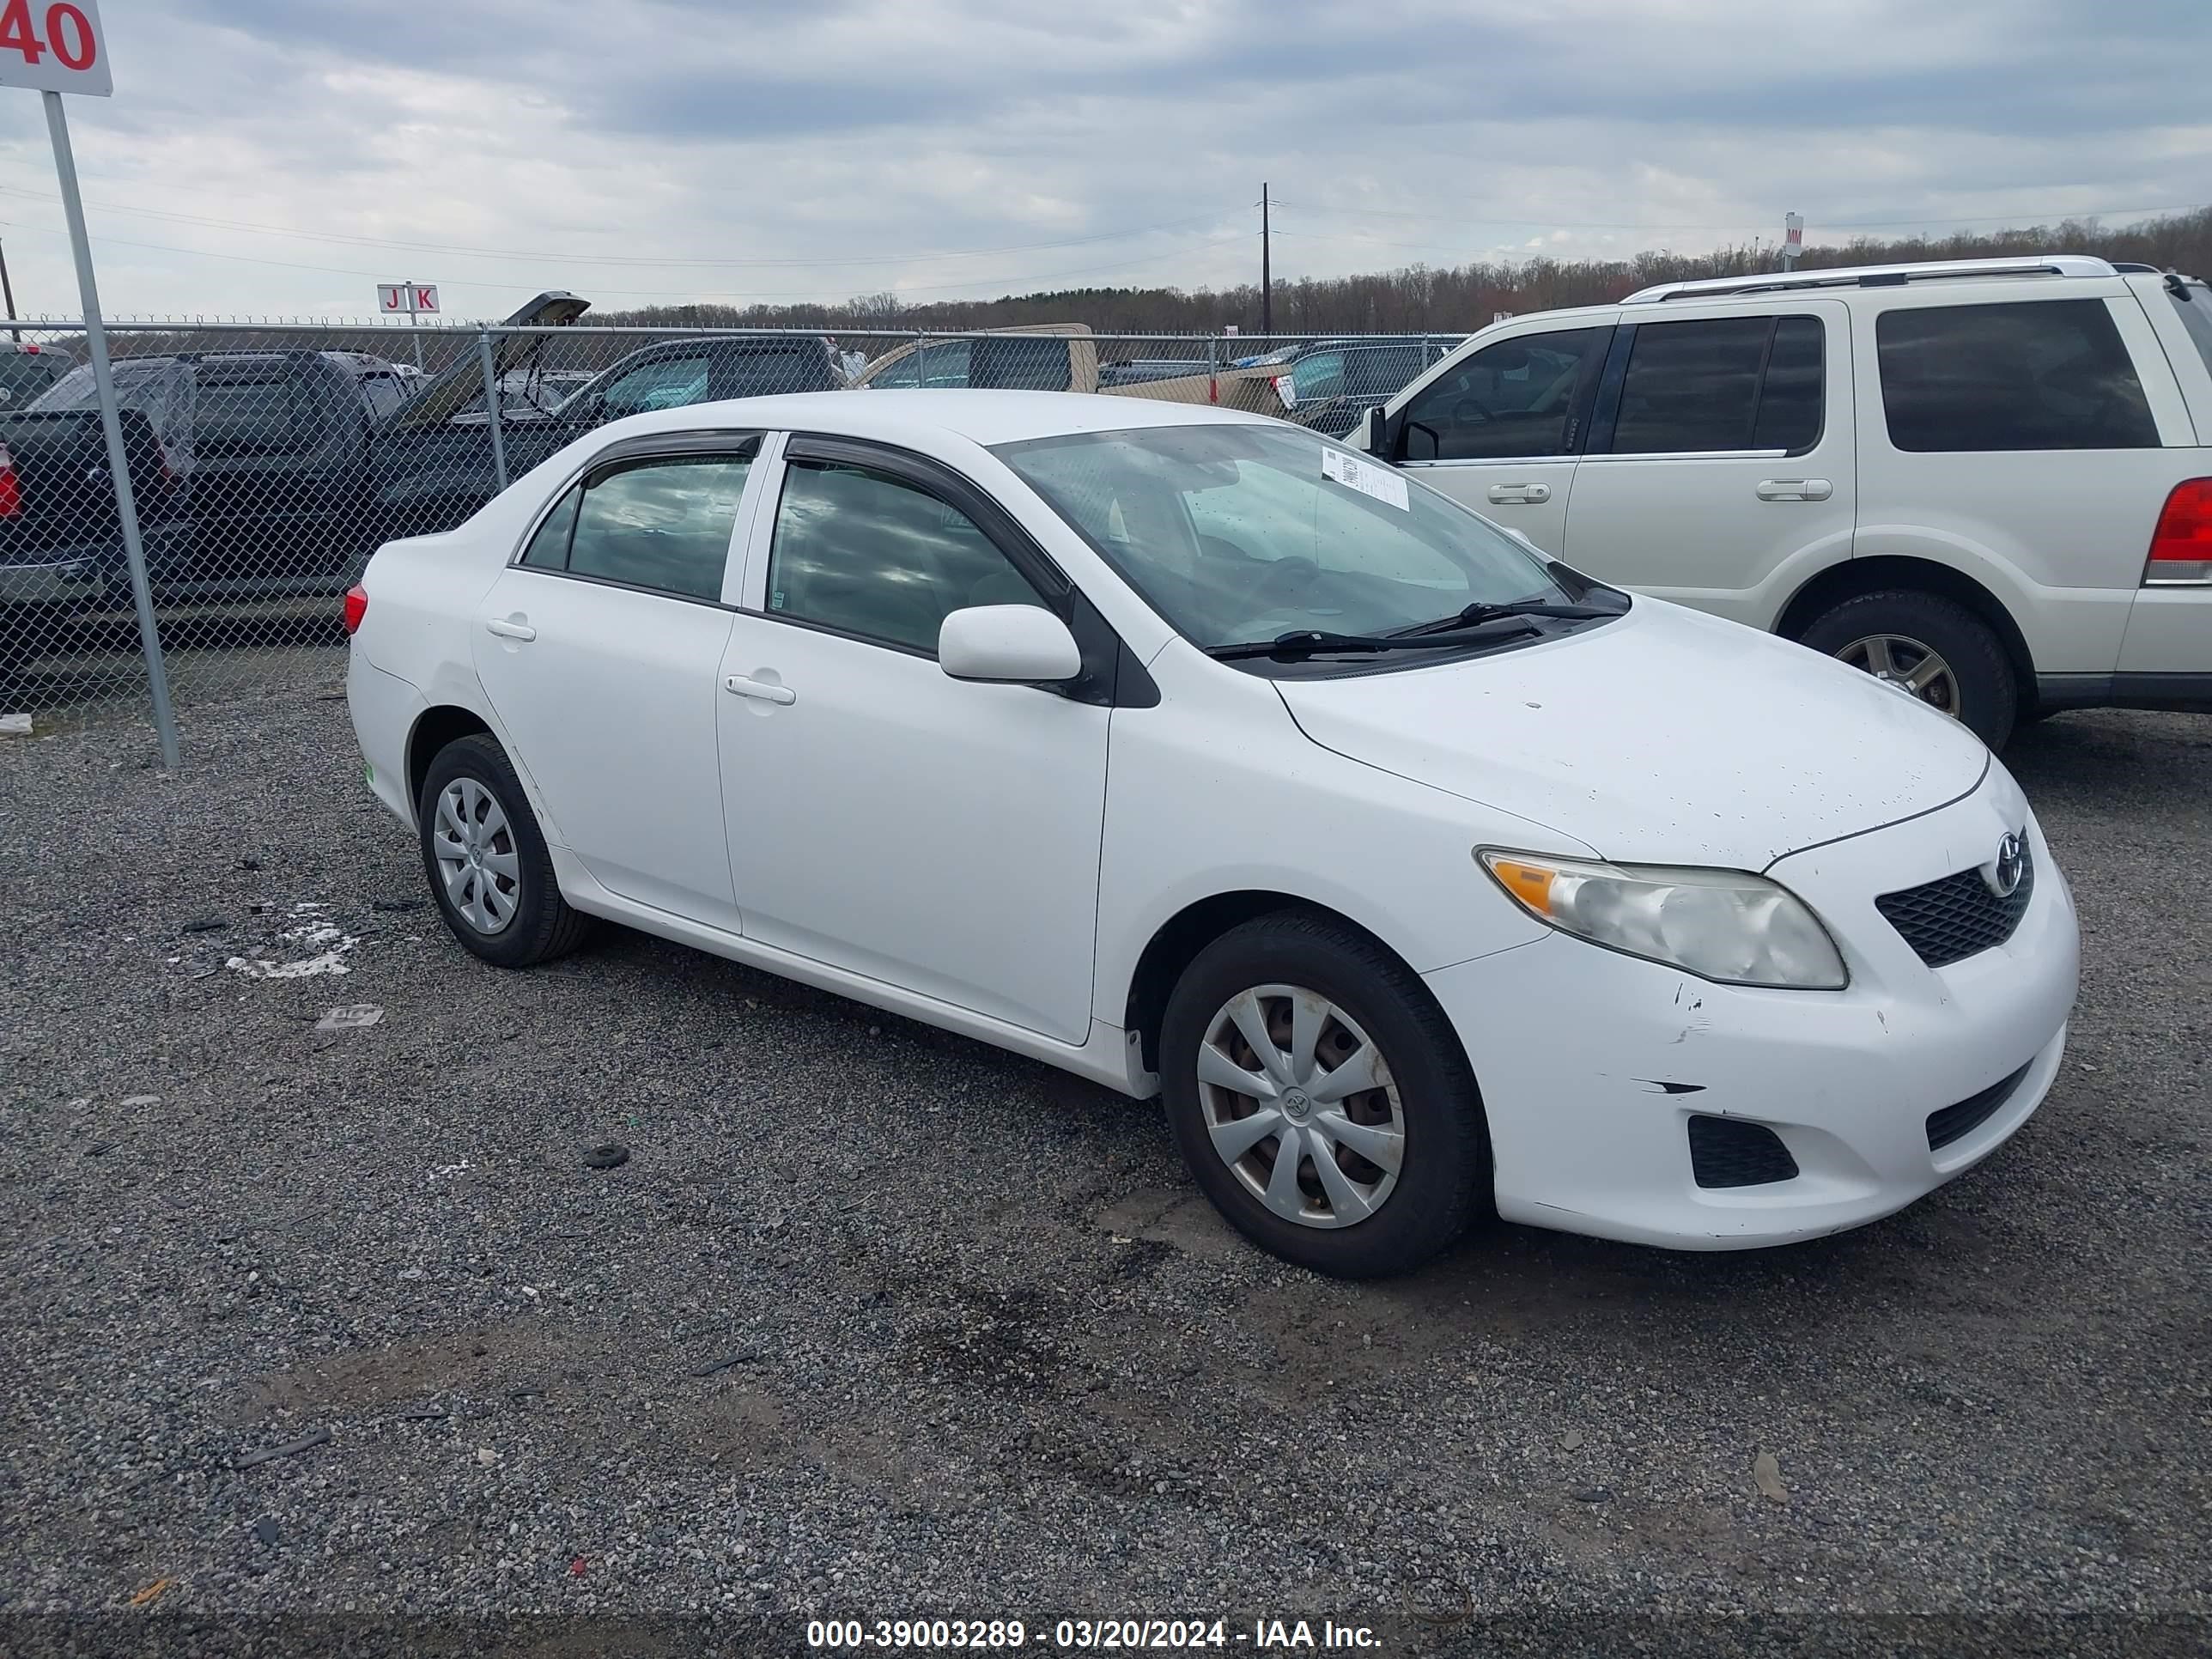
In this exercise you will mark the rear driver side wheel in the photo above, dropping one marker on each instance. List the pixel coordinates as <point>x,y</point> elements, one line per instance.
<point>486,860</point>
<point>1320,1099</point>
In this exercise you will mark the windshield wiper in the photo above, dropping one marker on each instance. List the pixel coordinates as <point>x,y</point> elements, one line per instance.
<point>1307,642</point>
<point>1483,610</point>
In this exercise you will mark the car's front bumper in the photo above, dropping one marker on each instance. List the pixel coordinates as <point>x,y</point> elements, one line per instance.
<point>1592,1063</point>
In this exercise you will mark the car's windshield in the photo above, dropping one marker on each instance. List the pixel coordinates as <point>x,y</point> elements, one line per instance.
<point>1241,532</point>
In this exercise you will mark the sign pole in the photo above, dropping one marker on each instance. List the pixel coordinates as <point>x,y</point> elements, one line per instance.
<point>111,423</point>
<point>414,329</point>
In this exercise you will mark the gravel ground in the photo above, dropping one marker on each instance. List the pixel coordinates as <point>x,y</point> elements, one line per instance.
<point>876,1321</point>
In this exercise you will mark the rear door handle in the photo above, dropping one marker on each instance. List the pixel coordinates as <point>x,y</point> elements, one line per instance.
<point>1795,489</point>
<point>761,689</point>
<point>509,630</point>
<point>1529,494</point>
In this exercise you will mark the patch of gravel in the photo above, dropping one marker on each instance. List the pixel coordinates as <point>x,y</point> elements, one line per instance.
<point>875,1321</point>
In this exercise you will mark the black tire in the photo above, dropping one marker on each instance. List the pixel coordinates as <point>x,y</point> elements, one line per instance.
<point>543,925</point>
<point>1444,1182</point>
<point>1988,692</point>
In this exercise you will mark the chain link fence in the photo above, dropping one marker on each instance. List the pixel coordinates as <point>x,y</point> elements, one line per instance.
<point>269,461</point>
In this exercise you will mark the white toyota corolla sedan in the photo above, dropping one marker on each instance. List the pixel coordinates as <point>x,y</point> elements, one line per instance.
<point>1200,756</point>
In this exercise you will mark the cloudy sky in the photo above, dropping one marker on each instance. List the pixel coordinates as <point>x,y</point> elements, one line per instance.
<point>283,156</point>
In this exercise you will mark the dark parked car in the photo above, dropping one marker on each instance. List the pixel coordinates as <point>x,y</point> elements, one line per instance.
<point>61,543</point>
<point>27,370</point>
<point>259,471</point>
<point>434,461</point>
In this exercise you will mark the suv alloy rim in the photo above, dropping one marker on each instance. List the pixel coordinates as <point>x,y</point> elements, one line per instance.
<point>1901,660</point>
<point>476,859</point>
<point>1300,1106</point>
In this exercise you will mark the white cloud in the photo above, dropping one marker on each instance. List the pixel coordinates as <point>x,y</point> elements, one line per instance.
<point>671,150</point>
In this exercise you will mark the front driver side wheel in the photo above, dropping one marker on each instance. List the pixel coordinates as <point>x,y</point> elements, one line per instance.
<point>486,859</point>
<point>1321,1098</point>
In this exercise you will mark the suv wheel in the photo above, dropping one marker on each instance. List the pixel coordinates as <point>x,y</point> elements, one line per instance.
<point>1938,650</point>
<point>486,859</point>
<point>1321,1098</point>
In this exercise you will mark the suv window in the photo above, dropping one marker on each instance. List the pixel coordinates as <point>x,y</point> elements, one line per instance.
<point>384,393</point>
<point>252,409</point>
<point>2194,301</point>
<point>2029,374</point>
<point>866,553</point>
<point>25,374</point>
<point>668,383</point>
<point>1724,383</point>
<point>662,522</point>
<point>1521,397</point>
<point>154,389</point>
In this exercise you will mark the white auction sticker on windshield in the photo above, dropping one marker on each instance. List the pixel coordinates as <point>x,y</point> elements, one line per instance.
<point>1366,478</point>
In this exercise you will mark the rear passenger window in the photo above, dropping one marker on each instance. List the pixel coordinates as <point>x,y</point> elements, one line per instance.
<point>2032,374</point>
<point>1727,383</point>
<point>662,522</point>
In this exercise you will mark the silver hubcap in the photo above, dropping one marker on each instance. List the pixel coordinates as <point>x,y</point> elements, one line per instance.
<point>474,845</point>
<point>1906,662</point>
<point>1300,1106</point>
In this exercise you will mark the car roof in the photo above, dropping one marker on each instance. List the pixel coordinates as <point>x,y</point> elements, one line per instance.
<point>981,416</point>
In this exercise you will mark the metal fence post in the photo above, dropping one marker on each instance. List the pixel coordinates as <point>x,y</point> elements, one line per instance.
<point>920,361</point>
<point>491,407</point>
<point>110,425</point>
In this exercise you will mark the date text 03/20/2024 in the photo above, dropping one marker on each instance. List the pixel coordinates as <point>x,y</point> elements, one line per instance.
<point>1097,1634</point>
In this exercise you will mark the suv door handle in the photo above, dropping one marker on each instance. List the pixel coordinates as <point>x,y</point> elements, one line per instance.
<point>1530,493</point>
<point>1795,489</point>
<point>761,689</point>
<point>509,630</point>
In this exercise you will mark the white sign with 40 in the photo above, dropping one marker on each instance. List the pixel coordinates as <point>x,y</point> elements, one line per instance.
<point>54,48</point>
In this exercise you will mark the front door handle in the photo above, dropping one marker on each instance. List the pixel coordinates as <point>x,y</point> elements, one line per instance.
<point>1529,494</point>
<point>510,627</point>
<point>1795,489</point>
<point>761,689</point>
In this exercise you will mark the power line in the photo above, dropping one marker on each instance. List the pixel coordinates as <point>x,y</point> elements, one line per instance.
<point>346,239</point>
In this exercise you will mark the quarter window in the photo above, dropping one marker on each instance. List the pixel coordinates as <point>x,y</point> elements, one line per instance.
<point>866,553</point>
<point>660,522</point>
<point>1520,399</point>
<point>1724,383</point>
<point>2030,374</point>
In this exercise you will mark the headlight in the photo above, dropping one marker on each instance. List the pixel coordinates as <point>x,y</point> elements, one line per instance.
<point>1725,925</point>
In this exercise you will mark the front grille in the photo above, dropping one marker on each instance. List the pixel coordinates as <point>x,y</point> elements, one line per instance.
<point>1948,921</point>
<point>1726,1151</point>
<point>1953,1122</point>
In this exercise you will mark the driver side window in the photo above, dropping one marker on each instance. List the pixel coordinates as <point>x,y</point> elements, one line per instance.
<point>1519,400</point>
<point>865,553</point>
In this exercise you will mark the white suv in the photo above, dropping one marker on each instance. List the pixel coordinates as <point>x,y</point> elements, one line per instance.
<point>1987,480</point>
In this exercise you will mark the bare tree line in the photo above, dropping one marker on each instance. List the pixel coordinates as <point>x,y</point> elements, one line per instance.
<point>1451,299</point>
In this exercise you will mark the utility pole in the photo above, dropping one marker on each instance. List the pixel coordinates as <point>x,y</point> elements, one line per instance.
<point>1267,279</point>
<point>8,291</point>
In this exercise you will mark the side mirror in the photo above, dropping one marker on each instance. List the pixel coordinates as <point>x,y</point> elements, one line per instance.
<point>1366,429</point>
<point>1020,643</point>
<point>589,409</point>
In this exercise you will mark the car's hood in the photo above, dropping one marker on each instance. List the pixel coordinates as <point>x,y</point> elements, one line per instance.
<point>1667,736</point>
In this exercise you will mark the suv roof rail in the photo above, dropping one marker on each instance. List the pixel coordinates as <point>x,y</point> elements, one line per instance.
<point>2056,264</point>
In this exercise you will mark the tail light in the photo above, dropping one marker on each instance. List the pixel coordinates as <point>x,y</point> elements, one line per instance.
<point>11,489</point>
<point>2181,546</point>
<point>1285,390</point>
<point>356,607</point>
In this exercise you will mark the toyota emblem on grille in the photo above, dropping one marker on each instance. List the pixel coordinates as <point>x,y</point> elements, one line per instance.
<point>2011,865</point>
